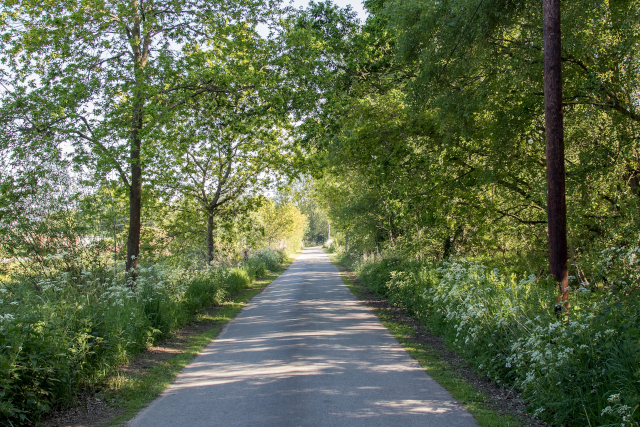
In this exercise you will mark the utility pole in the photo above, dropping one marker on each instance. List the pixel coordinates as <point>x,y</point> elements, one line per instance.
<point>328,230</point>
<point>554,133</point>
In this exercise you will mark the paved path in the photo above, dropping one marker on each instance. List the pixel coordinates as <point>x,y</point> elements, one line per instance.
<point>304,352</point>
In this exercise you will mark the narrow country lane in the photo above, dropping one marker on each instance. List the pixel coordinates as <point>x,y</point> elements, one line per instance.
<point>304,352</point>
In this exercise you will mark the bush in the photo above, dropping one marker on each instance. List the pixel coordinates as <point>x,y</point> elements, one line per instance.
<point>255,267</point>
<point>577,371</point>
<point>204,290</point>
<point>237,279</point>
<point>334,248</point>
<point>270,257</point>
<point>60,332</point>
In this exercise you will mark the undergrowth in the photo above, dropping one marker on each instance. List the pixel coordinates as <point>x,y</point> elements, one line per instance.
<point>67,331</point>
<point>578,370</point>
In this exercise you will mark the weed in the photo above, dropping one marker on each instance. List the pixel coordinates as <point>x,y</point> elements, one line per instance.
<point>568,369</point>
<point>69,329</point>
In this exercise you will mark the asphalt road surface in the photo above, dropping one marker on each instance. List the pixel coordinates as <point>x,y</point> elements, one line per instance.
<point>305,352</point>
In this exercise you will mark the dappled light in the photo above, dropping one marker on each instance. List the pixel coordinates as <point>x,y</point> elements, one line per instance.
<point>306,350</point>
<point>474,163</point>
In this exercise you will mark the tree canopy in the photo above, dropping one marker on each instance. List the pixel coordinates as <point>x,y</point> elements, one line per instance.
<point>179,127</point>
<point>431,132</point>
<point>105,77</point>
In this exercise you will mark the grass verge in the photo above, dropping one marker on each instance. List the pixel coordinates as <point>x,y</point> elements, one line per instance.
<point>129,391</point>
<point>429,358</point>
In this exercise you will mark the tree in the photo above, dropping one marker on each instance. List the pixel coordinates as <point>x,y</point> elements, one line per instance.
<point>304,195</point>
<point>283,225</point>
<point>431,125</point>
<point>221,152</point>
<point>103,75</point>
<point>480,71</point>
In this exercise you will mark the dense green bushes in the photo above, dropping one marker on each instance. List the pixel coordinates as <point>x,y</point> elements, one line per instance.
<point>62,333</point>
<point>578,371</point>
<point>269,257</point>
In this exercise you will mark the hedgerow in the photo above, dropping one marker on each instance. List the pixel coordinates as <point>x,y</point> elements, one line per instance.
<point>578,370</point>
<point>70,331</point>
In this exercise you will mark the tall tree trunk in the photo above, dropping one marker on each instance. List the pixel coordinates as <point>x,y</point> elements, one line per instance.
<point>209,237</point>
<point>140,49</point>
<point>135,193</point>
<point>556,203</point>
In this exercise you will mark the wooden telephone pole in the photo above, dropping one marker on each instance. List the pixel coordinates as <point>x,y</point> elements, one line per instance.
<point>554,133</point>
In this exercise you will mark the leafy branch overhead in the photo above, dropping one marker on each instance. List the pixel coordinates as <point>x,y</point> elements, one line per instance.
<point>104,76</point>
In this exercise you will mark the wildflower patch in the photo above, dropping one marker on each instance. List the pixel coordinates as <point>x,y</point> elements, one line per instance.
<point>568,368</point>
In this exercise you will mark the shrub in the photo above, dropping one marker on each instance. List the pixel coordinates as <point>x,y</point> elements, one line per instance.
<point>204,290</point>
<point>582,370</point>
<point>255,267</point>
<point>270,257</point>
<point>236,280</point>
<point>70,329</point>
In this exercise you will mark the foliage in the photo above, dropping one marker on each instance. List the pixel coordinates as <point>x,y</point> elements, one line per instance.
<point>220,151</point>
<point>283,225</point>
<point>304,196</point>
<point>67,331</point>
<point>269,257</point>
<point>576,371</point>
<point>104,78</point>
<point>430,137</point>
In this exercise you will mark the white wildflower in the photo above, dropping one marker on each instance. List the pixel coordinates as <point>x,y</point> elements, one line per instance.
<point>614,398</point>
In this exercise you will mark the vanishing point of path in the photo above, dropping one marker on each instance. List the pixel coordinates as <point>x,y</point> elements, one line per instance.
<point>305,352</point>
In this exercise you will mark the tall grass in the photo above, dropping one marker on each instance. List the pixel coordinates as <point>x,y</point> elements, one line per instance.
<point>576,371</point>
<point>68,331</point>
